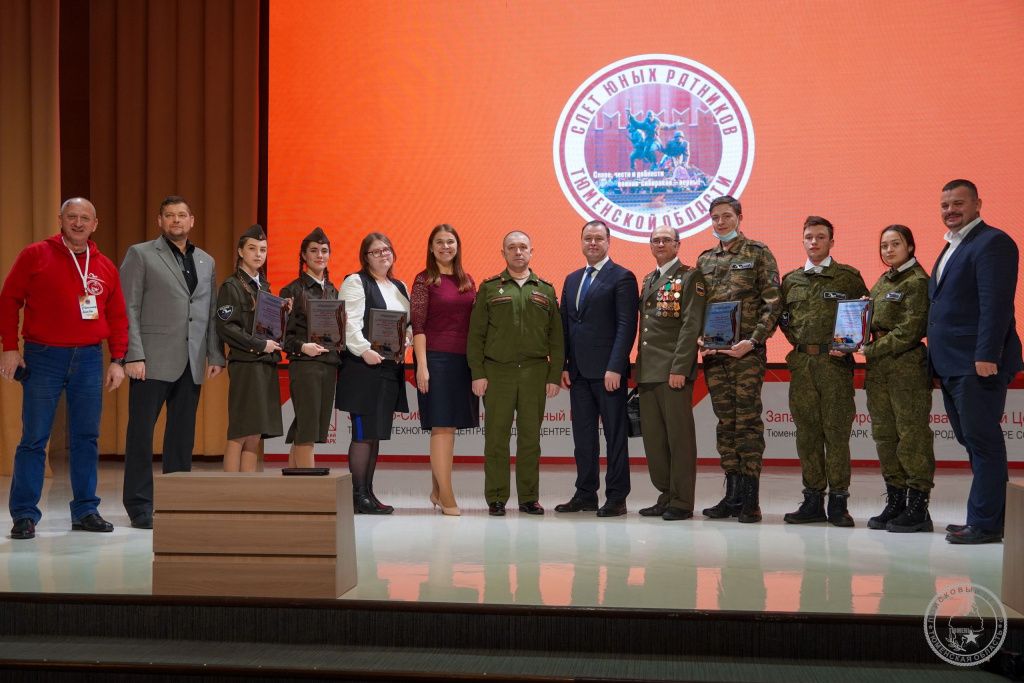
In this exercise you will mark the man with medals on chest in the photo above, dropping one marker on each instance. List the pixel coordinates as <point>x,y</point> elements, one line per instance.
<point>821,381</point>
<point>671,315</point>
<point>72,301</point>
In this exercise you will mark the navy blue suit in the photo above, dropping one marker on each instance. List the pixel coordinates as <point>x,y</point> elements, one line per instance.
<point>972,319</point>
<point>598,338</point>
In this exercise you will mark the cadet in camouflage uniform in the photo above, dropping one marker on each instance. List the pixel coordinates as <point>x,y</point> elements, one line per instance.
<point>515,352</point>
<point>743,270</point>
<point>899,386</point>
<point>821,382</point>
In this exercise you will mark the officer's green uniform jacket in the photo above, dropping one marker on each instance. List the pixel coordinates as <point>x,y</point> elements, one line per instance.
<point>671,319</point>
<point>513,324</point>
<point>810,302</point>
<point>745,271</point>
<point>236,310</point>
<point>900,317</point>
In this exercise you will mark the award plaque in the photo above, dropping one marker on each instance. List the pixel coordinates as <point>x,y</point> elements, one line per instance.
<point>853,323</point>
<point>387,333</point>
<point>271,317</point>
<point>326,322</point>
<point>722,325</point>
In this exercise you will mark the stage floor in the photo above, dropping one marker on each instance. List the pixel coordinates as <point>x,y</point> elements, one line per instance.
<point>418,554</point>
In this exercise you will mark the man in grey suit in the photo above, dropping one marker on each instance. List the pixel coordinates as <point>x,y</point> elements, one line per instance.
<point>169,287</point>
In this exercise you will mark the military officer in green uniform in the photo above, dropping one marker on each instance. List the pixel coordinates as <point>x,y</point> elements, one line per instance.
<point>821,382</point>
<point>515,352</point>
<point>671,317</point>
<point>739,270</point>
<point>899,386</point>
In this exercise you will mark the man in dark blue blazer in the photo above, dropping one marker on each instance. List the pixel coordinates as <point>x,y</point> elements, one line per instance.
<point>599,313</point>
<point>974,350</point>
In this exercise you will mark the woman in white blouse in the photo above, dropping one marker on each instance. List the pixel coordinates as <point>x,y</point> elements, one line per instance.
<point>371,385</point>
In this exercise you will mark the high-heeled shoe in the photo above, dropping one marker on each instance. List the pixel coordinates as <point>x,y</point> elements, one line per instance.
<point>452,511</point>
<point>435,501</point>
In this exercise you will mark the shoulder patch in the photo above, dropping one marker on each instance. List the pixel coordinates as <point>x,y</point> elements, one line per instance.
<point>224,312</point>
<point>699,288</point>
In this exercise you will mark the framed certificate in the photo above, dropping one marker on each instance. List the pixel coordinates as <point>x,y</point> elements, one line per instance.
<point>853,323</point>
<point>271,317</point>
<point>387,333</point>
<point>326,322</point>
<point>722,325</point>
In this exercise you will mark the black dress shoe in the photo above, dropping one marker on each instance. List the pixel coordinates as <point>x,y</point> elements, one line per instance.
<point>612,509</point>
<point>92,522</point>
<point>142,522</point>
<point>23,529</point>
<point>673,514</point>
<point>955,528</point>
<point>576,504</point>
<point>496,509</point>
<point>653,511</point>
<point>972,535</point>
<point>531,508</point>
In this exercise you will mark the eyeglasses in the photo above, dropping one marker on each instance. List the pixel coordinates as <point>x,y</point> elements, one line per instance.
<point>658,241</point>
<point>378,253</point>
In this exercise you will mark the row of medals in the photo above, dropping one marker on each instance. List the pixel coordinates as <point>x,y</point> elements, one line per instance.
<point>668,299</point>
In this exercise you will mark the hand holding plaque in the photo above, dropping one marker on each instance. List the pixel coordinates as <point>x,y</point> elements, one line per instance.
<point>387,333</point>
<point>853,323</point>
<point>722,325</point>
<point>271,317</point>
<point>326,320</point>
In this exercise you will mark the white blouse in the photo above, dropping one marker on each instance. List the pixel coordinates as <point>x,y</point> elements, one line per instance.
<point>352,294</point>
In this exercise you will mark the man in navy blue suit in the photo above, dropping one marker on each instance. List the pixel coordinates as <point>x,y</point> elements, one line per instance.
<point>599,313</point>
<point>974,350</point>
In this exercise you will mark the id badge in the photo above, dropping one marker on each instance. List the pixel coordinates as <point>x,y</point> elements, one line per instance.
<point>90,309</point>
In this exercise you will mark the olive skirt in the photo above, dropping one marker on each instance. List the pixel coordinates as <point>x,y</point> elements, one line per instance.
<point>254,400</point>
<point>311,384</point>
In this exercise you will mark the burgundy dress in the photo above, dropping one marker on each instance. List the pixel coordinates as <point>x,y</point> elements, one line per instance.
<point>441,313</point>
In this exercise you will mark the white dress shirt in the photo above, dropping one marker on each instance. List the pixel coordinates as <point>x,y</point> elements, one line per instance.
<point>597,269</point>
<point>954,239</point>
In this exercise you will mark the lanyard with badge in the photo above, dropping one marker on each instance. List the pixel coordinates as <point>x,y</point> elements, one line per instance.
<point>86,302</point>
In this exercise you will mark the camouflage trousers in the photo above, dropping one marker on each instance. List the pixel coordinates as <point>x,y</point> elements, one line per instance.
<point>899,399</point>
<point>821,400</point>
<point>735,388</point>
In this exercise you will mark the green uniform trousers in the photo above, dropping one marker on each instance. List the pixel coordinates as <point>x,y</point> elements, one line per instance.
<point>900,399</point>
<point>670,442</point>
<point>735,388</point>
<point>514,391</point>
<point>821,400</point>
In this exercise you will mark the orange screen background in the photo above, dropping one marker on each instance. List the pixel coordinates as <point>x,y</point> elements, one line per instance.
<point>398,116</point>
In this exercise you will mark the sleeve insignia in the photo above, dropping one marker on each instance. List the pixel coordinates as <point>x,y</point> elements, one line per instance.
<point>224,312</point>
<point>699,288</point>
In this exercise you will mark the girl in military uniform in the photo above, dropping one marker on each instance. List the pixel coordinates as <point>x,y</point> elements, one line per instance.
<point>312,367</point>
<point>898,385</point>
<point>370,387</point>
<point>254,400</point>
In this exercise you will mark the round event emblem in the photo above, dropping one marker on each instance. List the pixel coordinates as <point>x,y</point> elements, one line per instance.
<point>965,624</point>
<point>649,141</point>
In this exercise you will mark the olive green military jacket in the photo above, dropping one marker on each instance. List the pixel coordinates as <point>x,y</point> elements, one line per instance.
<point>671,319</point>
<point>810,301</point>
<point>900,311</point>
<point>745,270</point>
<point>296,333</point>
<point>236,310</point>
<point>513,324</point>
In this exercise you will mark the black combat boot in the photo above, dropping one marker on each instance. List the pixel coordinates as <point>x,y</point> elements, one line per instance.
<point>915,517</point>
<point>750,487</point>
<point>729,506</point>
<point>811,510</point>
<point>837,513</point>
<point>895,503</point>
<point>363,503</point>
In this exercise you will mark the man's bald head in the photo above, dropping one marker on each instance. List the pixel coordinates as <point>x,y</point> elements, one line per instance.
<point>82,202</point>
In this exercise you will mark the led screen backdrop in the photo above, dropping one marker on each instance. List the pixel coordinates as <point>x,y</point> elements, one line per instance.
<point>501,115</point>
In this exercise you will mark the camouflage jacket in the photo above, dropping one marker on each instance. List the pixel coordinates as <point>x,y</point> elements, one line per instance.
<point>900,303</point>
<point>810,301</point>
<point>745,271</point>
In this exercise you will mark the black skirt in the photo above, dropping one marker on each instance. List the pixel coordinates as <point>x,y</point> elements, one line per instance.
<point>450,401</point>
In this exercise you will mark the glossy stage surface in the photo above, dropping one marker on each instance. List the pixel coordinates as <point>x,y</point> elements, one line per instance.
<point>417,554</point>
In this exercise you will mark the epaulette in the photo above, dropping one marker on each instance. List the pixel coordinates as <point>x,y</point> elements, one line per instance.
<point>799,269</point>
<point>545,282</point>
<point>851,269</point>
<point>492,278</point>
<point>706,251</point>
<point>755,243</point>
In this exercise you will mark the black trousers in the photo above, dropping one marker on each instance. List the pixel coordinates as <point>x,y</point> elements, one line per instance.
<point>146,398</point>
<point>589,401</point>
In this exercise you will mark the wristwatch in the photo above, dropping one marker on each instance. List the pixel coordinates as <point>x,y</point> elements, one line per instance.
<point>119,361</point>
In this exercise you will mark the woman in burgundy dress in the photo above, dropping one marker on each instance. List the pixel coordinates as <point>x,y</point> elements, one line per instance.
<point>442,299</point>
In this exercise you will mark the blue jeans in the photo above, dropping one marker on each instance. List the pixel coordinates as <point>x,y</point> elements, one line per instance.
<point>52,370</point>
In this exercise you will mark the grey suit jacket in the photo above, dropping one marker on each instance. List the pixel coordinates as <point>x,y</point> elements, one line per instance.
<point>166,326</point>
